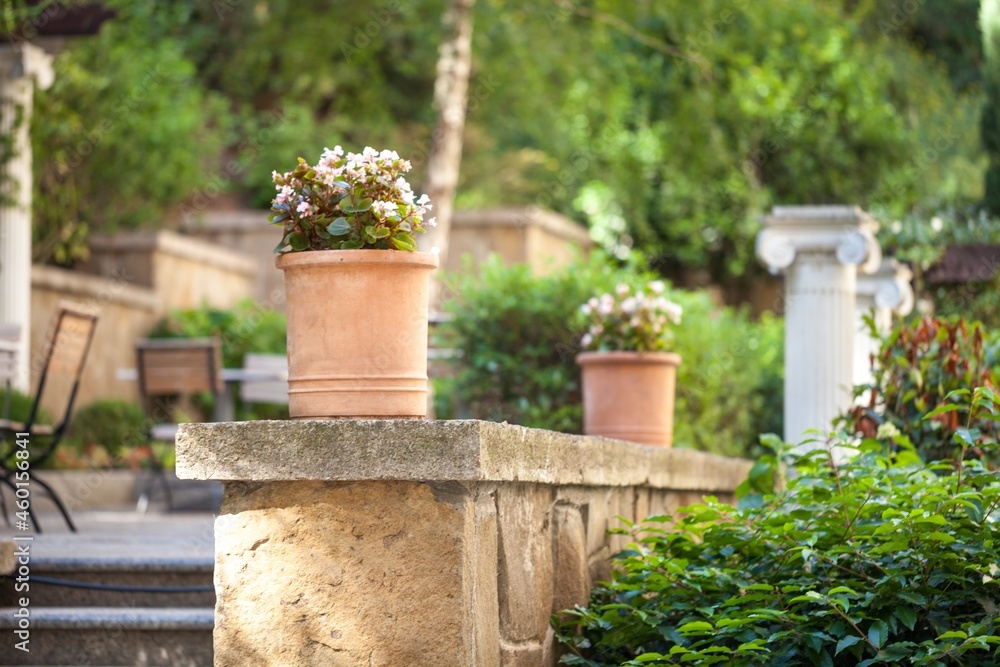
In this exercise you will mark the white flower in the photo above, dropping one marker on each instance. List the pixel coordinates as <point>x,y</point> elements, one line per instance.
<point>586,340</point>
<point>304,208</point>
<point>424,199</point>
<point>430,222</point>
<point>606,306</point>
<point>896,227</point>
<point>621,289</point>
<point>657,287</point>
<point>635,322</point>
<point>674,312</point>
<point>886,431</point>
<point>628,305</point>
<point>586,309</point>
<point>937,224</point>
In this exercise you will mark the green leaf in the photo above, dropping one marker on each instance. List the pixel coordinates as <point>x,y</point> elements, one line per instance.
<point>339,227</point>
<point>404,241</point>
<point>298,241</point>
<point>941,409</point>
<point>878,633</point>
<point>938,536</point>
<point>696,628</point>
<point>846,642</point>
<point>906,615</point>
<point>953,634</point>
<point>382,232</point>
<point>359,207</point>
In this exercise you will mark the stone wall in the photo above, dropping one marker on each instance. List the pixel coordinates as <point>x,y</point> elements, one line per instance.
<point>184,272</point>
<point>248,232</point>
<point>529,235</point>
<point>420,542</point>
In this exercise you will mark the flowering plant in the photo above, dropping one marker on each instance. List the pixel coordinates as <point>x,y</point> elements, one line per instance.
<point>639,322</point>
<point>345,202</point>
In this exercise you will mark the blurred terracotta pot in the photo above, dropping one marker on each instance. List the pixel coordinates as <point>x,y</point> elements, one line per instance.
<point>357,332</point>
<point>629,395</point>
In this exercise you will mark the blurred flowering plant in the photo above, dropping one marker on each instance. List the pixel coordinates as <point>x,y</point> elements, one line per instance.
<point>345,202</point>
<point>634,322</point>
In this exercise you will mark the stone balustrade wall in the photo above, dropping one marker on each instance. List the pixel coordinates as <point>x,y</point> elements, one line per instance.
<point>420,542</point>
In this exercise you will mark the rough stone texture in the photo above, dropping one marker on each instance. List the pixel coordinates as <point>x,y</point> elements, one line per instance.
<point>524,513</point>
<point>531,655</point>
<point>570,583</point>
<point>8,562</point>
<point>420,543</point>
<point>469,450</point>
<point>315,573</point>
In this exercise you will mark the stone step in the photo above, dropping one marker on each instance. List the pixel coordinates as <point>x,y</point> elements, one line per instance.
<point>55,582</point>
<point>113,637</point>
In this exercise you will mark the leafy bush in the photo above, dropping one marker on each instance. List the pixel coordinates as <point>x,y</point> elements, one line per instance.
<point>20,407</point>
<point>919,364</point>
<point>518,335</point>
<point>247,327</point>
<point>876,560</point>
<point>114,424</point>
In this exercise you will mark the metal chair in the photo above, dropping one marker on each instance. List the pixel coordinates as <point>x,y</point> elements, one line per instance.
<point>66,349</point>
<point>173,368</point>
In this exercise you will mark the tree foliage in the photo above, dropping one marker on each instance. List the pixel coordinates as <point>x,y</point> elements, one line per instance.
<point>666,126</point>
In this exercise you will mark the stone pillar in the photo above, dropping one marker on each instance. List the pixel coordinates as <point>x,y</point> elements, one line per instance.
<point>22,67</point>
<point>820,249</point>
<point>420,542</point>
<point>880,294</point>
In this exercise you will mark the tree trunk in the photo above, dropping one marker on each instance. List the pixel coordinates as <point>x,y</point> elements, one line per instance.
<point>450,97</point>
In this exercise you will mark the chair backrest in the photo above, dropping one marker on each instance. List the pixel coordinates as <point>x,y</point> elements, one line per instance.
<point>178,366</point>
<point>66,348</point>
<point>267,389</point>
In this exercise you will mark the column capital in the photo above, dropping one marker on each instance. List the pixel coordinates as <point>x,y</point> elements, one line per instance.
<point>26,60</point>
<point>847,233</point>
<point>889,287</point>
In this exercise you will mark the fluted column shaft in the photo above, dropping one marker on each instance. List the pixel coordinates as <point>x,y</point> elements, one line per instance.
<point>882,293</point>
<point>22,66</point>
<point>819,249</point>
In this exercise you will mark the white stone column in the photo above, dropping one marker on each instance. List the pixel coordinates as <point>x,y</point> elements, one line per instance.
<point>820,249</point>
<point>22,67</point>
<point>887,291</point>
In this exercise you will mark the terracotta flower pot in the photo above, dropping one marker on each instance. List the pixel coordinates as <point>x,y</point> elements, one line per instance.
<point>357,332</point>
<point>629,395</point>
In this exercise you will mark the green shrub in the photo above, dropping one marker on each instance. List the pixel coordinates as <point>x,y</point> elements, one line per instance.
<point>518,335</point>
<point>247,327</point>
<point>919,364</point>
<point>114,424</point>
<point>20,407</point>
<point>879,559</point>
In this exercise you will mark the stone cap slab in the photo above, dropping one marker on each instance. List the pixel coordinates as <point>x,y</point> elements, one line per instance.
<point>459,450</point>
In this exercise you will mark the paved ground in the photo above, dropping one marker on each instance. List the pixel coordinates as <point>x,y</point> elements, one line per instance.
<point>122,535</point>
